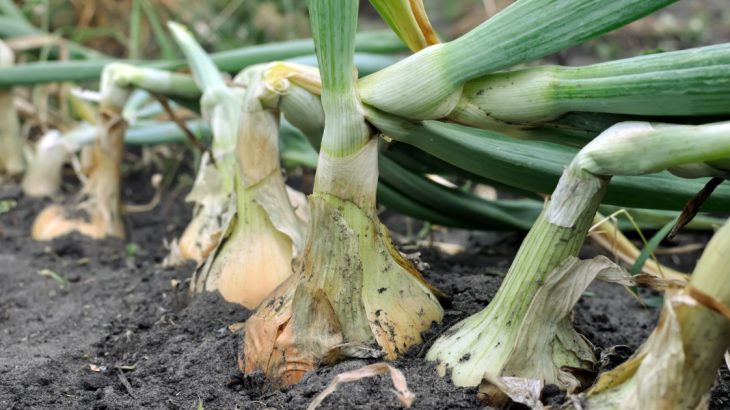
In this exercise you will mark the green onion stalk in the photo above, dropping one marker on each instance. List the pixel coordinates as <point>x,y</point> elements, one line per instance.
<point>351,290</point>
<point>536,166</point>
<point>677,365</point>
<point>244,224</point>
<point>12,162</point>
<point>682,83</point>
<point>408,19</point>
<point>429,83</point>
<point>410,192</point>
<point>404,188</point>
<point>525,330</point>
<point>230,61</point>
<point>97,211</point>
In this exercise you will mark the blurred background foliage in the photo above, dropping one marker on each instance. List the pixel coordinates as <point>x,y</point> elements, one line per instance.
<point>135,28</point>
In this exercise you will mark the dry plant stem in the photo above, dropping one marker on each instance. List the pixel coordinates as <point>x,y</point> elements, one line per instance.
<point>610,238</point>
<point>191,138</point>
<point>677,365</point>
<point>400,387</point>
<point>105,179</point>
<point>409,21</point>
<point>352,289</point>
<point>693,206</point>
<point>12,162</point>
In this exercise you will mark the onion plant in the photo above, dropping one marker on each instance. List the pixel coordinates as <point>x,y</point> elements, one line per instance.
<point>524,331</point>
<point>214,189</point>
<point>545,93</point>
<point>55,149</point>
<point>97,211</point>
<point>677,365</point>
<point>12,162</point>
<point>351,289</point>
<point>244,227</point>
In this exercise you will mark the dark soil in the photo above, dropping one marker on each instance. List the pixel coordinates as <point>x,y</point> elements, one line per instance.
<point>125,334</point>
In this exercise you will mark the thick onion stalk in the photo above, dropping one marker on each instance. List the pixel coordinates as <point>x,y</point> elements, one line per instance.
<point>97,211</point>
<point>487,341</point>
<point>536,166</point>
<point>12,163</point>
<point>428,84</point>
<point>502,340</point>
<point>680,83</point>
<point>676,366</point>
<point>351,290</point>
<point>301,105</point>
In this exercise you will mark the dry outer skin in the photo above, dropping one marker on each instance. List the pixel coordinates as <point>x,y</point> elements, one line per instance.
<point>119,312</point>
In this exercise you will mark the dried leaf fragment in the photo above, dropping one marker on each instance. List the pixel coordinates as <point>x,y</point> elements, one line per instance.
<point>401,391</point>
<point>519,390</point>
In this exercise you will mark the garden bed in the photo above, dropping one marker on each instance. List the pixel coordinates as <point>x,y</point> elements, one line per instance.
<point>123,332</point>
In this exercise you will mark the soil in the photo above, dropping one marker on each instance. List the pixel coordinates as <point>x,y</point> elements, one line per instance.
<point>124,333</point>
